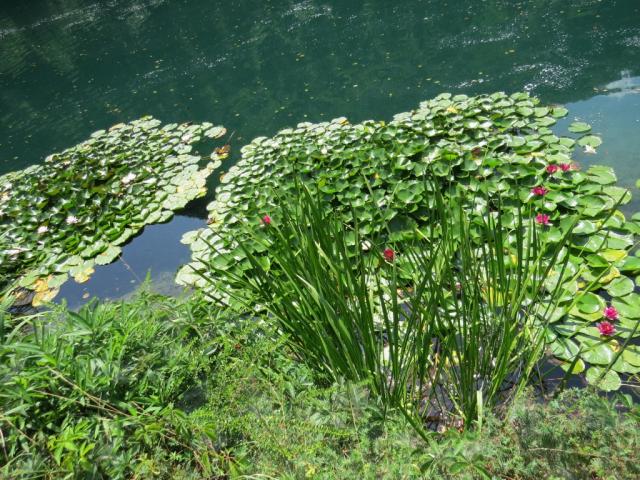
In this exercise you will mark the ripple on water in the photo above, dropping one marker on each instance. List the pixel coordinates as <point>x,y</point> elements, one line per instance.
<point>305,12</point>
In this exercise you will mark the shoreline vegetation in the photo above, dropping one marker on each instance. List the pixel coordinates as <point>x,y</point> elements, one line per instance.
<point>386,306</point>
<point>159,387</point>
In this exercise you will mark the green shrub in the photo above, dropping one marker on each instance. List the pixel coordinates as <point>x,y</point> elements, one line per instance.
<point>105,392</point>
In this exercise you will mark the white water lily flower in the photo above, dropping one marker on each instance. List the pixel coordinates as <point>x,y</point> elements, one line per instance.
<point>72,219</point>
<point>128,178</point>
<point>589,149</point>
<point>43,229</point>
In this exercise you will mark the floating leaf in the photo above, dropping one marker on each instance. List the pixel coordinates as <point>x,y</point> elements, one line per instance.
<point>108,256</point>
<point>579,127</point>
<point>578,366</point>
<point>589,303</point>
<point>590,140</point>
<point>44,296</point>
<point>608,382</point>
<point>82,202</point>
<point>620,287</point>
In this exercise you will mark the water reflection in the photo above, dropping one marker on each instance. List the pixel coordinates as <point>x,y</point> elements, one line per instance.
<point>614,113</point>
<point>156,251</point>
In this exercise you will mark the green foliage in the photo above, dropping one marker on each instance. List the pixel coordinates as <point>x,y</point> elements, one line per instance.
<point>441,327</point>
<point>279,424</point>
<point>190,393</point>
<point>477,148</point>
<point>104,393</point>
<point>73,212</point>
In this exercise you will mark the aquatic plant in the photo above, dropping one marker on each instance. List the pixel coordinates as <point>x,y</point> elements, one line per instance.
<point>74,211</point>
<point>440,329</point>
<point>474,149</point>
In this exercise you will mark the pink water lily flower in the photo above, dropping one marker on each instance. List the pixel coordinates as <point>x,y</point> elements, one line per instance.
<point>540,191</point>
<point>606,328</point>
<point>565,167</point>
<point>266,220</point>
<point>551,169</point>
<point>542,219</point>
<point>610,313</point>
<point>389,255</point>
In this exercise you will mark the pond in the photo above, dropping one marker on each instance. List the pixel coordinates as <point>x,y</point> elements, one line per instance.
<point>70,67</point>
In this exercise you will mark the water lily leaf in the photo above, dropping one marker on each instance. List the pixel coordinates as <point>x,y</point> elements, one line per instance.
<point>44,296</point>
<point>55,281</point>
<point>108,256</point>
<point>597,261</point>
<point>596,353</point>
<point>585,227</point>
<point>216,132</point>
<point>564,348</point>
<point>630,265</point>
<point>540,111</point>
<point>601,174</point>
<point>517,142</point>
<point>590,303</point>
<point>631,355</point>
<point>525,111</point>
<point>83,272</point>
<point>42,284</point>
<point>608,382</point>
<point>612,255</point>
<point>578,367</point>
<point>186,276</point>
<point>559,112</point>
<point>620,287</point>
<point>628,306</point>
<point>590,140</point>
<point>622,366</point>
<point>579,127</point>
<point>28,280</point>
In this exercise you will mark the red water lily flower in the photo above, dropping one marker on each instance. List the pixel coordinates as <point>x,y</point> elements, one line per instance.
<point>551,169</point>
<point>389,255</point>
<point>610,313</point>
<point>542,219</point>
<point>606,328</point>
<point>565,167</point>
<point>266,220</point>
<point>540,191</point>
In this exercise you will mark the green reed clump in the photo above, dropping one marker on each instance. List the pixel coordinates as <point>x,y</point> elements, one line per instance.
<point>443,328</point>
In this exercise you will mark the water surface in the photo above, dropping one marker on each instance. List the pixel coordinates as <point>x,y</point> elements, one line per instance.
<point>69,67</point>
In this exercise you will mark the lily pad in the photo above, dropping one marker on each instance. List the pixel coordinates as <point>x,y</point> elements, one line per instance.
<point>82,202</point>
<point>590,140</point>
<point>492,153</point>
<point>620,287</point>
<point>609,382</point>
<point>579,127</point>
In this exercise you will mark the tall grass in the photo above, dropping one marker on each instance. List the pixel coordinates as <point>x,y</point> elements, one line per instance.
<point>446,326</point>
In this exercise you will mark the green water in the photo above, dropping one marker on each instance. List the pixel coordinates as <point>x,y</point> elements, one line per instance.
<point>69,67</point>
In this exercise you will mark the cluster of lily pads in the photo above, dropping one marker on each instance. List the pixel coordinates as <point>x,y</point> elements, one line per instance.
<point>74,211</point>
<point>476,149</point>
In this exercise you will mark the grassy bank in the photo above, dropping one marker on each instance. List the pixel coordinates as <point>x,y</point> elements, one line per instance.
<point>174,388</point>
